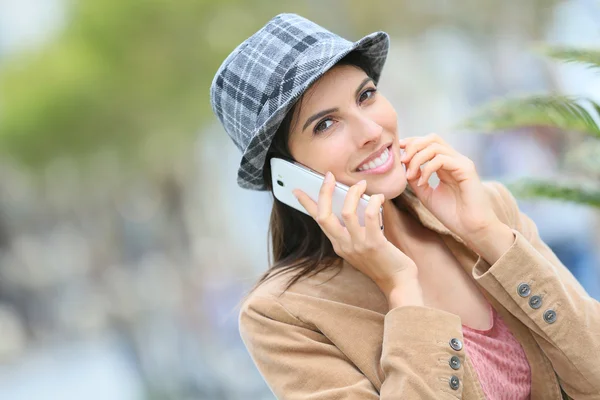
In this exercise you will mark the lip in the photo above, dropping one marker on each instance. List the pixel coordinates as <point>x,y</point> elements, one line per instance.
<point>385,167</point>
<point>373,155</point>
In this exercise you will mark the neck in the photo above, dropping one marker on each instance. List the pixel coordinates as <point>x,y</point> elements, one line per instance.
<point>404,230</point>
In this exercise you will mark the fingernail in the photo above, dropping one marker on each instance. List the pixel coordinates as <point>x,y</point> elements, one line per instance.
<point>294,193</point>
<point>362,182</point>
<point>420,182</point>
<point>328,177</point>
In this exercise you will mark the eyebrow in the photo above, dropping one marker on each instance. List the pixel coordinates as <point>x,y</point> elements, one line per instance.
<point>320,114</point>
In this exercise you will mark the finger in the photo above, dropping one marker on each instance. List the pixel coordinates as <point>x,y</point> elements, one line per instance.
<point>439,162</point>
<point>328,221</point>
<point>372,222</point>
<point>419,143</point>
<point>311,207</point>
<point>405,141</point>
<point>413,146</point>
<point>423,156</point>
<point>325,197</point>
<point>415,176</point>
<point>305,201</point>
<point>424,191</point>
<point>349,210</point>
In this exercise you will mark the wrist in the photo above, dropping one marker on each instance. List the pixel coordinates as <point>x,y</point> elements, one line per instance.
<point>476,232</point>
<point>406,277</point>
<point>407,293</point>
<point>492,242</point>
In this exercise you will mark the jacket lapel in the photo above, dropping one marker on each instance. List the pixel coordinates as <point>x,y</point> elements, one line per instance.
<point>544,383</point>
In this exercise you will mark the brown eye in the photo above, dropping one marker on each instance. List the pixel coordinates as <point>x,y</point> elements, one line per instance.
<point>323,125</point>
<point>366,95</point>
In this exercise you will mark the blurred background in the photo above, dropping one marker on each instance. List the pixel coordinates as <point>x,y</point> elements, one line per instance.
<point>125,243</point>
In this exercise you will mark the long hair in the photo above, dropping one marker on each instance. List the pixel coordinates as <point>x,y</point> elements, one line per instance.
<point>296,241</point>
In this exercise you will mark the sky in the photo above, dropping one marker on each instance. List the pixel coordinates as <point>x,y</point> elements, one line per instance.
<point>25,24</point>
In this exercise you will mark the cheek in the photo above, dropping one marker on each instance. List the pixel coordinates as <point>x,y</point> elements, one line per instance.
<point>324,154</point>
<point>331,155</point>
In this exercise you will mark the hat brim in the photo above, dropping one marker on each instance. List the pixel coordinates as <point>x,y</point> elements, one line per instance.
<point>374,48</point>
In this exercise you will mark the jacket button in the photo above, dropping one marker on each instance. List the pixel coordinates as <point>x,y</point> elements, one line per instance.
<point>524,290</point>
<point>454,382</point>
<point>535,302</point>
<point>455,362</point>
<point>550,316</point>
<point>456,344</point>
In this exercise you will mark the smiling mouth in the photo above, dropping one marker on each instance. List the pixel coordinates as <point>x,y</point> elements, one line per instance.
<point>377,161</point>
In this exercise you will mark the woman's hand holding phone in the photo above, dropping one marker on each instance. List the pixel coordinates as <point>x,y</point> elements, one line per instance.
<point>365,248</point>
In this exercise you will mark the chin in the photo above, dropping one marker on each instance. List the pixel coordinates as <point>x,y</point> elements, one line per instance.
<point>391,187</point>
<point>391,192</point>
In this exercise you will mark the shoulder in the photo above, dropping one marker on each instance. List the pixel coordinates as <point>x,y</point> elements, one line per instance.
<point>336,289</point>
<point>273,307</point>
<point>260,310</point>
<point>271,298</point>
<point>263,313</point>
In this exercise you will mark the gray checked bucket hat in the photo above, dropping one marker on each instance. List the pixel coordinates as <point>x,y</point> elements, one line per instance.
<point>259,82</point>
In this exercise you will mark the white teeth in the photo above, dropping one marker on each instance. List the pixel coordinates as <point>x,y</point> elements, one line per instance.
<point>376,162</point>
<point>385,155</point>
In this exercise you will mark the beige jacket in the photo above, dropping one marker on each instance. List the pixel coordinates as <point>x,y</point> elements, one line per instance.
<point>332,337</point>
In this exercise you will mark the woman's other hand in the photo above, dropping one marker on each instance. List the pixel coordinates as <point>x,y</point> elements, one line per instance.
<point>459,201</point>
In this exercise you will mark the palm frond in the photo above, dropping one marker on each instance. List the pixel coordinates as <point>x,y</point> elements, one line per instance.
<point>589,57</point>
<point>587,193</point>
<point>562,112</point>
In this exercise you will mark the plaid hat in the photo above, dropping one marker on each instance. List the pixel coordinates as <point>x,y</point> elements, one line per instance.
<point>259,82</point>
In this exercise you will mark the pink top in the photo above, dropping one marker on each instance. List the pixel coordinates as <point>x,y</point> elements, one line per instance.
<point>499,360</point>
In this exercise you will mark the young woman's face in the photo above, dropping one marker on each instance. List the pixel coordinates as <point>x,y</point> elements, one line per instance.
<point>346,127</point>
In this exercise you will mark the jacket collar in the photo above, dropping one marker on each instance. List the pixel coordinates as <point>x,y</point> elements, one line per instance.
<point>408,200</point>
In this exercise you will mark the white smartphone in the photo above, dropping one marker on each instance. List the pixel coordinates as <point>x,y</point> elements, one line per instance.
<point>288,176</point>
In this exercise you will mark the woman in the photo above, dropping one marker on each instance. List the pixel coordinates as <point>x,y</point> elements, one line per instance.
<point>458,298</point>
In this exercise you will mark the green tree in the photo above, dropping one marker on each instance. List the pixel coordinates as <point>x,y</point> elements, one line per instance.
<point>565,113</point>
<point>132,76</point>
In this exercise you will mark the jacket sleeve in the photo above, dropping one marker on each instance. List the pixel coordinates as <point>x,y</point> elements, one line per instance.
<point>531,282</point>
<point>299,362</point>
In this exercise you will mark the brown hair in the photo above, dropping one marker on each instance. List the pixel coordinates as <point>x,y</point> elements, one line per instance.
<point>296,240</point>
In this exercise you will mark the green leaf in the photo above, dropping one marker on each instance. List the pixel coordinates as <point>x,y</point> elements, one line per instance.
<point>588,57</point>
<point>586,192</point>
<point>562,112</point>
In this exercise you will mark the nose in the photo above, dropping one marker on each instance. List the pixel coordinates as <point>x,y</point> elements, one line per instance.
<point>367,130</point>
